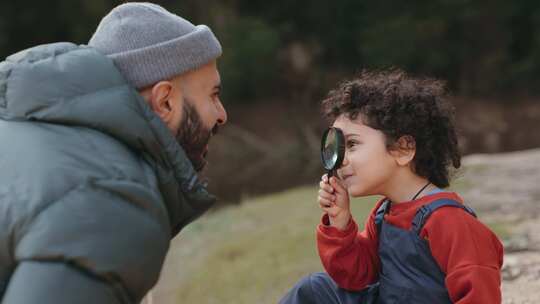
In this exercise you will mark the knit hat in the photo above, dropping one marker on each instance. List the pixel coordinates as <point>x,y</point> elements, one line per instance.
<point>149,44</point>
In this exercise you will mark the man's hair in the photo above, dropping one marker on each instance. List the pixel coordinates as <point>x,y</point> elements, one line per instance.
<point>399,105</point>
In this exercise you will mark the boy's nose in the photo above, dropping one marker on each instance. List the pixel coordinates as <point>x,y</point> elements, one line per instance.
<point>345,161</point>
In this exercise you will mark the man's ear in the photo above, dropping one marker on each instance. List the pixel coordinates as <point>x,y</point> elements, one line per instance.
<point>161,101</point>
<point>404,150</point>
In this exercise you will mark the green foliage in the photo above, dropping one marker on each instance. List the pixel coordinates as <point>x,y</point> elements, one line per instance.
<point>24,24</point>
<point>249,64</point>
<point>482,47</point>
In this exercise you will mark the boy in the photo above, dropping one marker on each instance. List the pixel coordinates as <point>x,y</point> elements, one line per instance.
<point>420,244</point>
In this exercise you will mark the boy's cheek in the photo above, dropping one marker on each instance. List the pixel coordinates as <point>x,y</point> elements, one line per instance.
<point>355,190</point>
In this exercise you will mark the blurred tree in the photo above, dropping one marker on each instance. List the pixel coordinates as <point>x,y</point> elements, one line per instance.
<point>249,63</point>
<point>482,47</point>
<point>28,23</point>
<point>524,48</point>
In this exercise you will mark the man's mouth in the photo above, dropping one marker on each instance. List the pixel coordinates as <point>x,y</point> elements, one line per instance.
<point>215,130</point>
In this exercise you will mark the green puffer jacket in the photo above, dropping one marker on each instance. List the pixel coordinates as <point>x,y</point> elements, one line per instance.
<point>92,184</point>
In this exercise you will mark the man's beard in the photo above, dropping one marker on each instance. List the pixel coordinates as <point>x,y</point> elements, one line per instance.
<point>193,137</point>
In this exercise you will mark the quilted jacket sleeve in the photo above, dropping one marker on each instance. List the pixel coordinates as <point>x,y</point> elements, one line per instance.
<point>53,282</point>
<point>102,242</point>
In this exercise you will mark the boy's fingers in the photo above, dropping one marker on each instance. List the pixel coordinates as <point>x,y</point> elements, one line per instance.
<point>337,185</point>
<point>325,178</point>
<point>326,195</point>
<point>326,187</point>
<point>324,203</point>
<point>331,211</point>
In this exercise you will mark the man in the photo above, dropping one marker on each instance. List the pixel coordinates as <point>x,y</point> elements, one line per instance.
<point>100,150</point>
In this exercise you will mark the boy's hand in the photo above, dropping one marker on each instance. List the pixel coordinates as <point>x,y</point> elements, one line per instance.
<point>334,201</point>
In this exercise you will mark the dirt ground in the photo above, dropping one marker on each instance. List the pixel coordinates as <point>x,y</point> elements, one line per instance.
<point>504,188</point>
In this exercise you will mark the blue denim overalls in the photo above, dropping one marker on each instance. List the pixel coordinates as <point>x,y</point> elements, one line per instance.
<point>409,273</point>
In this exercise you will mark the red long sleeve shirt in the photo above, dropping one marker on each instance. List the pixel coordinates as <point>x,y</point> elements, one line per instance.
<point>468,252</point>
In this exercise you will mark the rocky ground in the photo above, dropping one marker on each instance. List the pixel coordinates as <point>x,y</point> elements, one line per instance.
<point>505,189</point>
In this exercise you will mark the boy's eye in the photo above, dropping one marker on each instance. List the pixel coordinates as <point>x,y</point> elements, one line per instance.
<point>351,143</point>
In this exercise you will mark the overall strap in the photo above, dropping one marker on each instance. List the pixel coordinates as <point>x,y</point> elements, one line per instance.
<point>425,211</point>
<point>379,215</point>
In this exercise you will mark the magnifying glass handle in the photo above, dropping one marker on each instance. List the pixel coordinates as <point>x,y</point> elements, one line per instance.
<point>330,174</point>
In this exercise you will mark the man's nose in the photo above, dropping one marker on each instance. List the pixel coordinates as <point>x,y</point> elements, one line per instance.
<point>222,114</point>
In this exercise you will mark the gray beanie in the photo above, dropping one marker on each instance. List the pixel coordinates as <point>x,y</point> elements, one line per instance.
<point>149,44</point>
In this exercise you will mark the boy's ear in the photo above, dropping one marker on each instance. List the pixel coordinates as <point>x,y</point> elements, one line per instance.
<point>404,150</point>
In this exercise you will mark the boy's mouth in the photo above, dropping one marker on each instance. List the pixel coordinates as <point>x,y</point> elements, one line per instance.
<point>346,176</point>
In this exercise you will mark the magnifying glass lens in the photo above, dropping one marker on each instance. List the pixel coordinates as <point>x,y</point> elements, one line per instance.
<point>332,149</point>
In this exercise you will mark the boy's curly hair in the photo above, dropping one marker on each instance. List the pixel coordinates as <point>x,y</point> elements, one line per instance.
<point>399,105</point>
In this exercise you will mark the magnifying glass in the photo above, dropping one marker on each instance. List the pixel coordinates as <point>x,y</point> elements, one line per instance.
<point>332,150</point>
